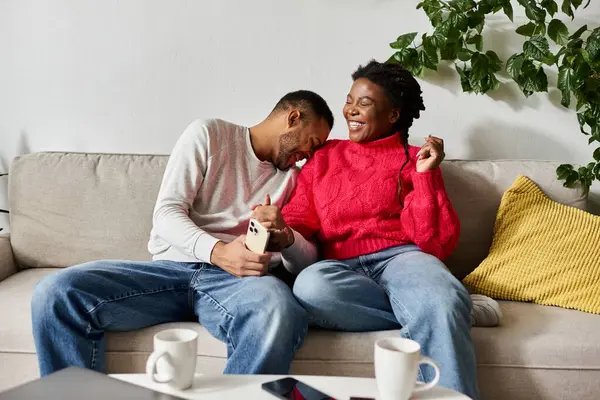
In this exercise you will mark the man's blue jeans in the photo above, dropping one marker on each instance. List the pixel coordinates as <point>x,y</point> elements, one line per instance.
<point>400,287</point>
<point>258,318</point>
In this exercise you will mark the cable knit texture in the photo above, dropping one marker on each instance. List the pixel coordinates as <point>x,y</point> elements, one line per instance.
<point>346,198</point>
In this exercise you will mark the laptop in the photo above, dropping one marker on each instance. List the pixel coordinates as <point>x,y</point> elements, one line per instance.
<point>81,384</point>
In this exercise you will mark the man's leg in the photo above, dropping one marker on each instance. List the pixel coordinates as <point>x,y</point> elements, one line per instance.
<point>434,309</point>
<point>72,308</point>
<point>257,317</point>
<point>337,296</point>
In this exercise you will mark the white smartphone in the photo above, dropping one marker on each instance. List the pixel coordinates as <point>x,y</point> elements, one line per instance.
<point>257,237</point>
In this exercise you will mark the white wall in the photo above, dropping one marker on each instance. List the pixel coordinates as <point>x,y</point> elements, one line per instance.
<point>129,75</point>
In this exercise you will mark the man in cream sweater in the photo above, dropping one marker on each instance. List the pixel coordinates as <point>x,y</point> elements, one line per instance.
<point>201,269</point>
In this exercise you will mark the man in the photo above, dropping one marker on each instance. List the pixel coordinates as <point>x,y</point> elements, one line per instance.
<point>201,267</point>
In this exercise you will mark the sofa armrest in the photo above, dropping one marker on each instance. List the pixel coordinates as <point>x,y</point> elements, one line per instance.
<point>7,259</point>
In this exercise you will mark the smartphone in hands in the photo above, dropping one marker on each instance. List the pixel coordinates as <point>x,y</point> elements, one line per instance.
<point>257,237</point>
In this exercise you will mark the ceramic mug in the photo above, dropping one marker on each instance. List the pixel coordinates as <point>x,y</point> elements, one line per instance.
<point>397,362</point>
<point>173,360</point>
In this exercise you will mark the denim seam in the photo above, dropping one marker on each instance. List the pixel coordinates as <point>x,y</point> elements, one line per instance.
<point>404,325</point>
<point>365,269</point>
<point>300,339</point>
<point>128,296</point>
<point>220,309</point>
<point>87,333</point>
<point>191,285</point>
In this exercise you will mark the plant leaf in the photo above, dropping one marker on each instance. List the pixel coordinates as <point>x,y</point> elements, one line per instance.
<point>566,8</point>
<point>449,51</point>
<point>403,41</point>
<point>475,18</point>
<point>571,179</point>
<point>495,62</point>
<point>532,11</point>
<point>429,55</point>
<point>459,20</point>
<point>563,171</point>
<point>479,43</point>
<point>565,84</point>
<point>581,120</point>
<point>593,45</point>
<point>526,30</point>
<point>558,32</point>
<point>508,10</point>
<point>537,47</point>
<point>550,6</point>
<point>597,154</point>
<point>479,66</point>
<point>465,54</point>
<point>541,81</point>
<point>494,82</point>
<point>576,3</point>
<point>514,64</point>
<point>550,59</point>
<point>464,79</point>
<point>578,32</point>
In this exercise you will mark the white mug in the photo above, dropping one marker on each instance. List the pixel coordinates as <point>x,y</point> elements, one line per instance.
<point>174,358</point>
<point>397,362</point>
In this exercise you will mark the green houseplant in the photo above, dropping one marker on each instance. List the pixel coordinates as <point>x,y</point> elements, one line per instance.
<point>457,36</point>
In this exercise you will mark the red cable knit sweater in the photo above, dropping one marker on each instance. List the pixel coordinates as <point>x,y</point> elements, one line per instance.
<point>346,196</point>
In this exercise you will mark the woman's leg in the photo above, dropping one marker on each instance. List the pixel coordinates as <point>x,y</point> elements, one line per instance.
<point>339,297</point>
<point>434,309</point>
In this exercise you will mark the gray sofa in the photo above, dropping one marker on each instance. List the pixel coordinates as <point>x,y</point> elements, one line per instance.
<point>67,208</point>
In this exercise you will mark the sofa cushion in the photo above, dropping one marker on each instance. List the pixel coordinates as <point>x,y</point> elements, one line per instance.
<point>531,336</point>
<point>542,251</point>
<point>68,208</point>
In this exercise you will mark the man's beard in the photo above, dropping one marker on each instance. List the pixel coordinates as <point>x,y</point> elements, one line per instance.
<point>288,144</point>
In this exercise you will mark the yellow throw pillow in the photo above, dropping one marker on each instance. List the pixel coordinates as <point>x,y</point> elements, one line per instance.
<point>542,252</point>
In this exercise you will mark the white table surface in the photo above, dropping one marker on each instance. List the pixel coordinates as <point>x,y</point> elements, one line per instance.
<point>207,387</point>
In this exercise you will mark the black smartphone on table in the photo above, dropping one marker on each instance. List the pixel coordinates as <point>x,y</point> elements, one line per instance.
<point>292,389</point>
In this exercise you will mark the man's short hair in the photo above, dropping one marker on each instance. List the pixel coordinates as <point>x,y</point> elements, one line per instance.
<point>308,101</point>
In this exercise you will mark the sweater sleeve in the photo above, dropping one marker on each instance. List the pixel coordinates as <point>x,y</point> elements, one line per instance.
<point>299,255</point>
<point>182,179</point>
<point>428,217</point>
<point>301,215</point>
<point>300,212</point>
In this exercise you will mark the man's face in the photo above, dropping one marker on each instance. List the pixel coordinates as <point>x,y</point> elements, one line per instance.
<point>300,141</point>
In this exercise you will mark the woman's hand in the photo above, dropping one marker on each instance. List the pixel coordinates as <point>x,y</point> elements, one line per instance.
<point>431,154</point>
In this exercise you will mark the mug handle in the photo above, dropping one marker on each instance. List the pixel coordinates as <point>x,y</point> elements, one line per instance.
<point>151,367</point>
<point>429,385</point>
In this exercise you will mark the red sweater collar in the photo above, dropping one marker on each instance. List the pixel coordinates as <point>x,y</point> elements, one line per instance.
<point>391,143</point>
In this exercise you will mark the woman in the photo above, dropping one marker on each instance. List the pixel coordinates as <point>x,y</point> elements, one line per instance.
<point>379,211</point>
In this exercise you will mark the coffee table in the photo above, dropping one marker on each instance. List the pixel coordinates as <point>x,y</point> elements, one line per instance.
<point>208,387</point>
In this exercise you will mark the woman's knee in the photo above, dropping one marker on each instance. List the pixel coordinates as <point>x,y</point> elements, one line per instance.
<point>315,282</point>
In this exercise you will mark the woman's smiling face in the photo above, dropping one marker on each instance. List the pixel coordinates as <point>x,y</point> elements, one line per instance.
<point>368,112</point>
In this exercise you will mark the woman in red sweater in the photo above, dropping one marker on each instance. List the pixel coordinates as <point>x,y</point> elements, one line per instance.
<point>383,221</point>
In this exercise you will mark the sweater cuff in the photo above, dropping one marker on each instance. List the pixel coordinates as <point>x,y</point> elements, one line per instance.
<point>204,246</point>
<point>428,181</point>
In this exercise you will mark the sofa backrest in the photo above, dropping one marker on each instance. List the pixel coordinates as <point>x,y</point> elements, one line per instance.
<point>69,208</point>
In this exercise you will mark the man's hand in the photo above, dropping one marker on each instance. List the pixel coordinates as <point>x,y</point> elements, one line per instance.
<point>271,218</point>
<point>431,154</point>
<point>236,259</point>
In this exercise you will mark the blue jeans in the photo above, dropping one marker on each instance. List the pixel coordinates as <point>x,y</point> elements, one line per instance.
<point>397,288</point>
<point>258,318</point>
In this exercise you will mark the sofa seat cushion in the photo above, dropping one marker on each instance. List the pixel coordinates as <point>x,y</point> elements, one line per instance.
<point>531,336</point>
<point>540,337</point>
